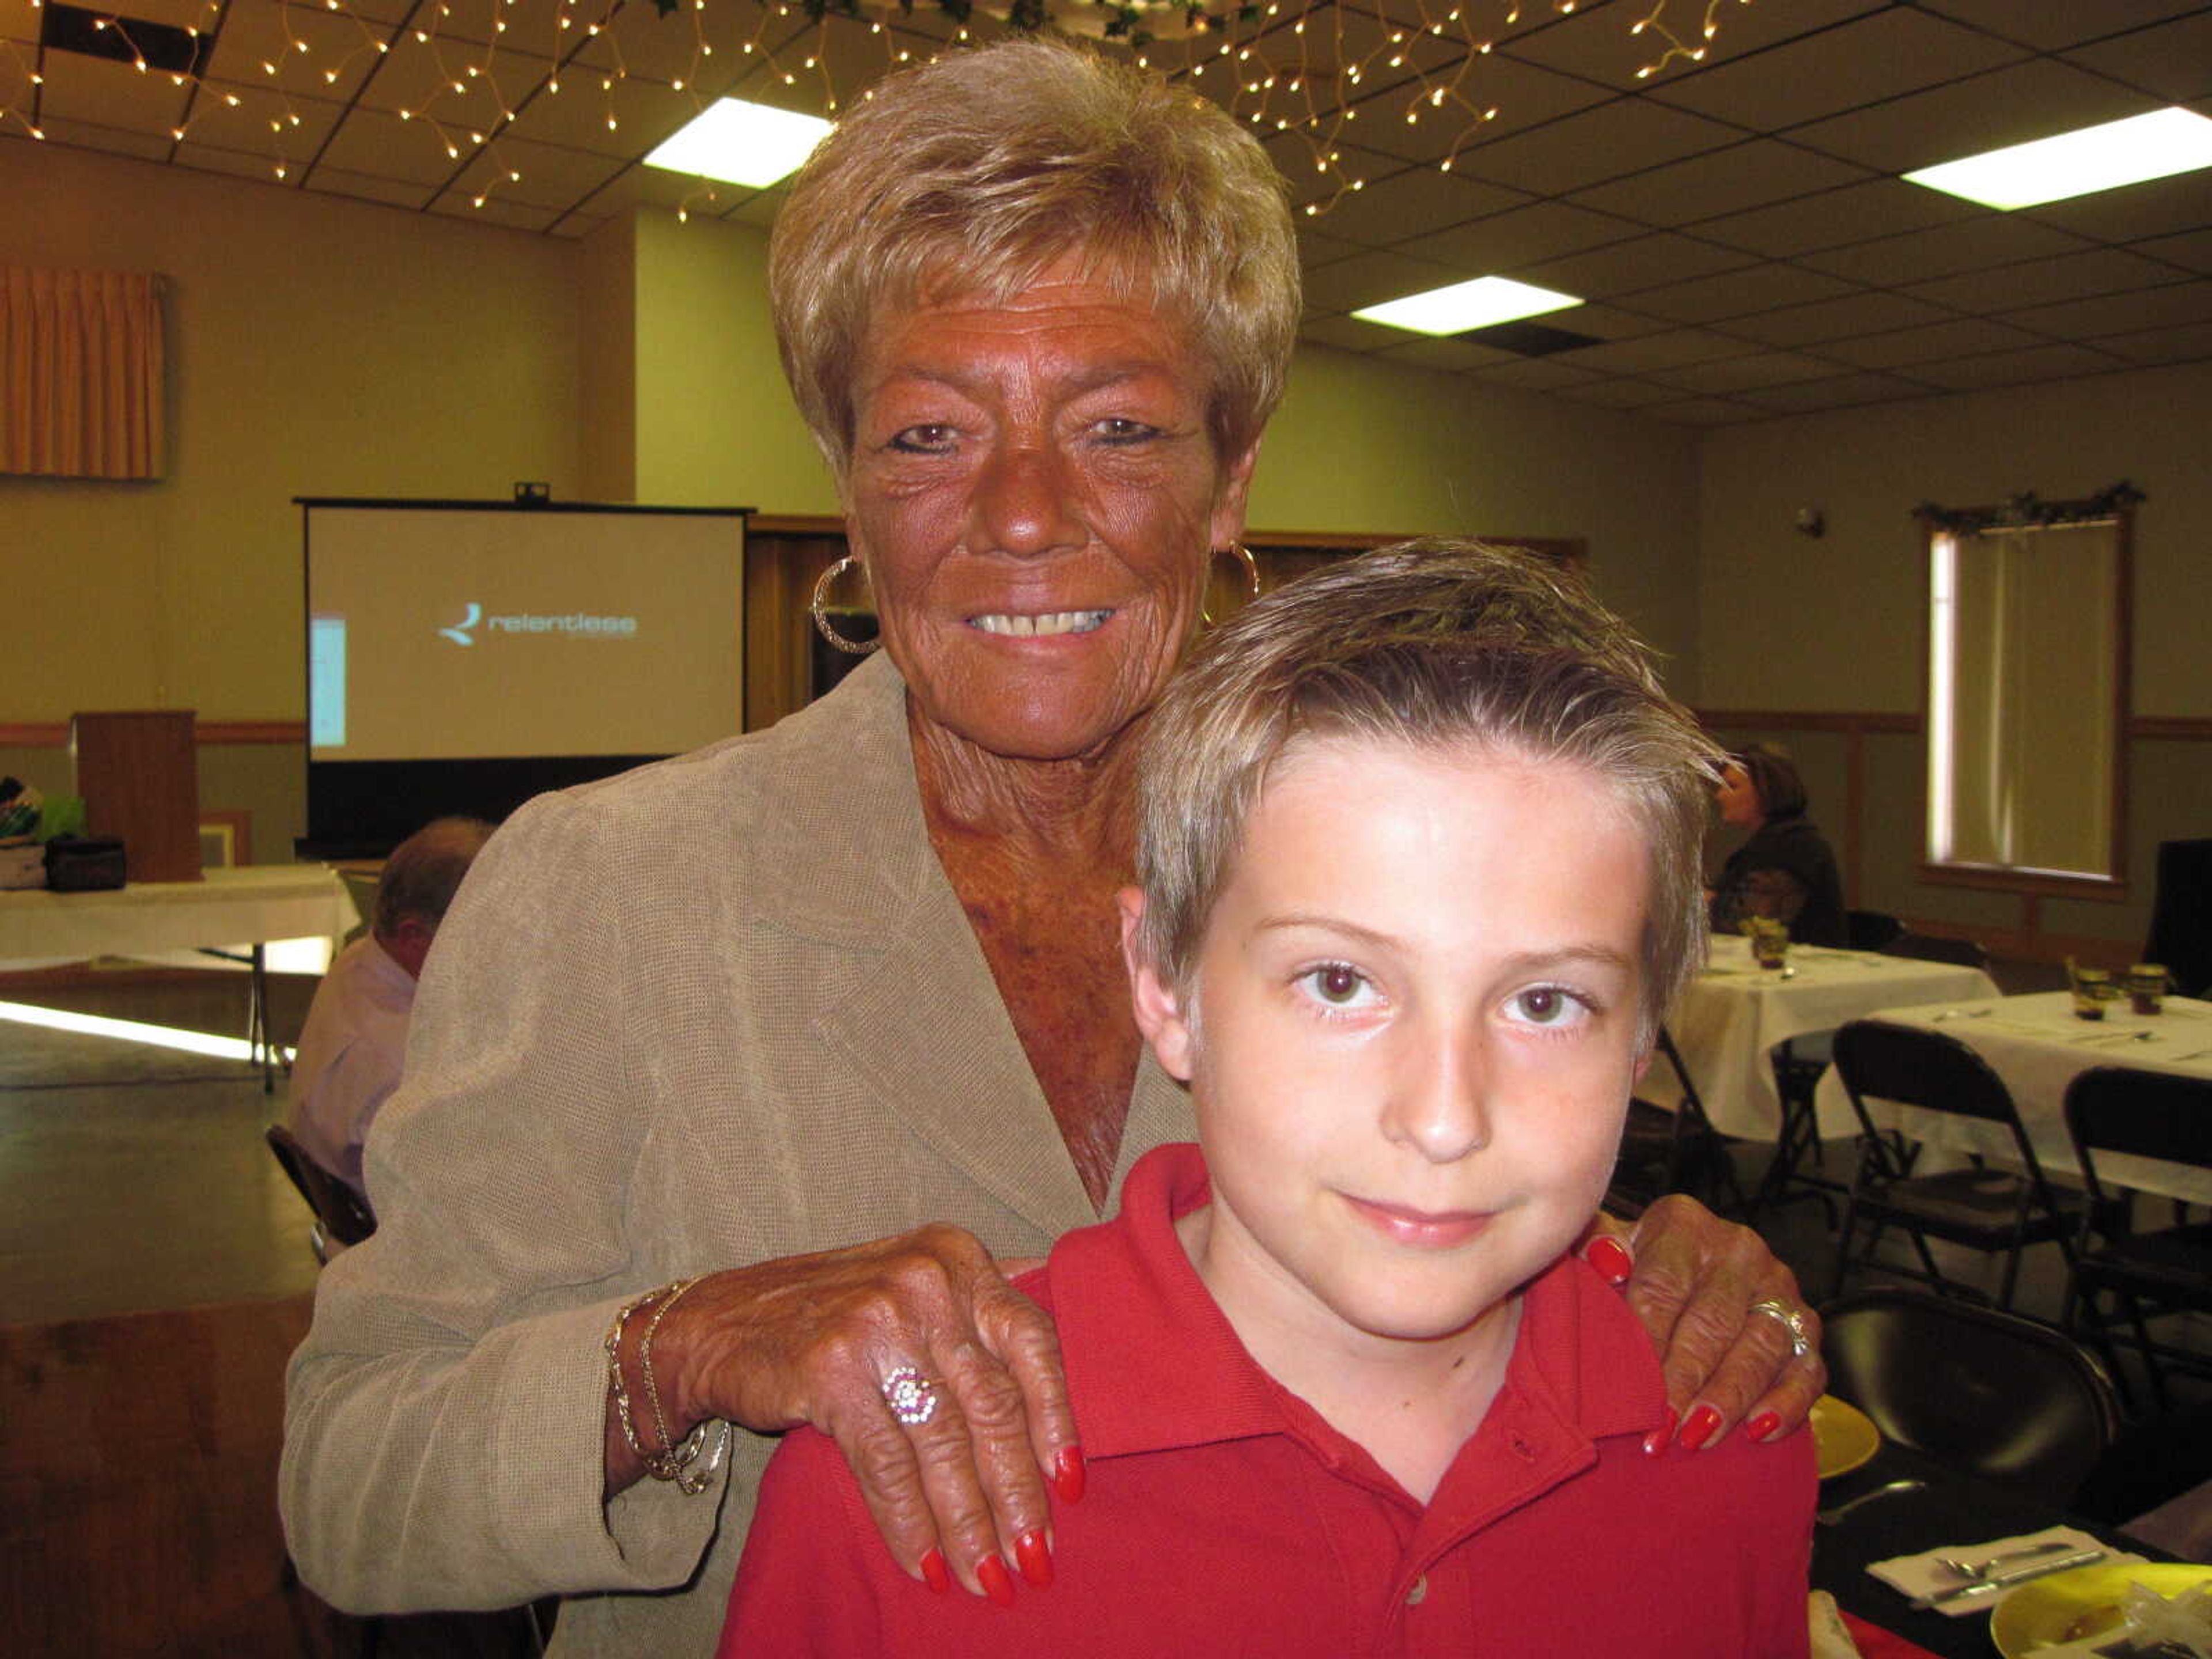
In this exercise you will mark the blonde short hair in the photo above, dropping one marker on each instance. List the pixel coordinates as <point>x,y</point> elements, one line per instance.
<point>972,174</point>
<point>1429,644</point>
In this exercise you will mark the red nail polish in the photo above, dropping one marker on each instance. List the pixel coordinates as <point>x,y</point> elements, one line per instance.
<point>1699,1426</point>
<point>1763,1424</point>
<point>998,1583</point>
<point>1661,1437</point>
<point>1610,1257</point>
<point>1068,1475</point>
<point>935,1573</point>
<point>1035,1555</point>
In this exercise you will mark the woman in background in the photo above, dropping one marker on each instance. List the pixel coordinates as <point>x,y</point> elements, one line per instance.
<point>1786,872</point>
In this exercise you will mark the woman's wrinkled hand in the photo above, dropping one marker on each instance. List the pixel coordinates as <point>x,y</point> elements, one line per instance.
<point>816,1340</point>
<point>1693,1279</point>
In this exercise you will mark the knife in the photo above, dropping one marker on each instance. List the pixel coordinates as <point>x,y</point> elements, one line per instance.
<point>1996,1582</point>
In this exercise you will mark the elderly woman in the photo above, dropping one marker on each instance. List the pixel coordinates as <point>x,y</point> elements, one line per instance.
<point>705,1027</point>
<point>1786,870</point>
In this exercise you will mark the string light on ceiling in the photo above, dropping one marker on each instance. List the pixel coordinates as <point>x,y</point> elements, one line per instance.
<point>1309,76</point>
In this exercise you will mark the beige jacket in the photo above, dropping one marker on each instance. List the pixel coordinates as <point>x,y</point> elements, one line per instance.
<point>721,1009</point>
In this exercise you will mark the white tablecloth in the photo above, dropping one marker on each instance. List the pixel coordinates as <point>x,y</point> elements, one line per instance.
<point>1735,1011</point>
<point>246,906</point>
<point>2037,1046</point>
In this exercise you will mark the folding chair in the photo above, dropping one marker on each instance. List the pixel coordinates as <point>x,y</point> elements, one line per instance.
<point>2143,1114</point>
<point>1987,1393</point>
<point>1993,1211</point>
<point>1663,1152</point>
<point>341,1218</point>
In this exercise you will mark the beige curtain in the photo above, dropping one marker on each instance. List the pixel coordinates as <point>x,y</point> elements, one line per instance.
<point>2032,698</point>
<point>80,382</point>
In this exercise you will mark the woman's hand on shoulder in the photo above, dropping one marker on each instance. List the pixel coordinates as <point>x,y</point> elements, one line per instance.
<point>1698,1284</point>
<point>957,1481</point>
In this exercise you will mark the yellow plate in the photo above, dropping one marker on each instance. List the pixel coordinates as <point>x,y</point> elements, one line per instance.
<point>2072,1606</point>
<point>1844,1437</point>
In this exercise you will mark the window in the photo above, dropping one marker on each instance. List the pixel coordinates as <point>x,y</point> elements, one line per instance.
<point>2027,693</point>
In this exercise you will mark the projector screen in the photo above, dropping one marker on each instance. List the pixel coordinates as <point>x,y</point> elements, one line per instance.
<point>463,656</point>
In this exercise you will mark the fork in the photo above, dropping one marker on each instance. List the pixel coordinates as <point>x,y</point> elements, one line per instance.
<point>1978,1569</point>
<point>1830,1516</point>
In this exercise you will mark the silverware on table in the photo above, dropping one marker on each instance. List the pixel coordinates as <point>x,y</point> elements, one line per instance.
<point>1964,1013</point>
<point>1995,1582</point>
<point>1830,1516</point>
<point>1981,1569</point>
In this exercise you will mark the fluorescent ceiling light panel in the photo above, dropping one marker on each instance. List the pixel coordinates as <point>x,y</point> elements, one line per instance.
<point>2153,146</point>
<point>1463,305</point>
<point>741,143</point>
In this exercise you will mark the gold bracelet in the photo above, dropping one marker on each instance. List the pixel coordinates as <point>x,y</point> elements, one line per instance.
<point>670,1462</point>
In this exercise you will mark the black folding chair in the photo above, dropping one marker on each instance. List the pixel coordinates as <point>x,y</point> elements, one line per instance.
<point>341,1218</point>
<point>2143,1114</point>
<point>1987,1393</point>
<point>1993,1211</point>
<point>1663,1152</point>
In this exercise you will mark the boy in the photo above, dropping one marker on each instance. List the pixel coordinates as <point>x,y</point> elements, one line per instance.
<point>1417,867</point>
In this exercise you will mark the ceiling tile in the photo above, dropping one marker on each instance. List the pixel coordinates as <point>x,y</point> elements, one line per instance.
<point>1923,255</point>
<point>1703,411</point>
<point>2171,305</point>
<point>1743,176</point>
<point>2193,251</point>
<point>2049,25</point>
<point>1368,279</point>
<point>1880,207</point>
<point>2172,61</point>
<point>2005,107</point>
<point>108,94</point>
<point>1967,336</point>
<point>1520,237</point>
<point>277,128</point>
<point>1629,267</point>
<point>1618,394</point>
<point>495,210</point>
<point>1500,98</point>
<point>1843,392</point>
<point>373,141</point>
<point>1538,374</point>
<point>257,35</point>
<point>1892,52</point>
<point>2050,363</point>
<point>1414,202</point>
<point>237,163</point>
<point>1595,42</point>
<point>108,141</point>
<point>2073,276</point>
<point>1453,355</point>
<point>1736,293</point>
<point>1611,323</point>
<point>1597,144</point>
<point>2162,345</point>
<point>551,176</point>
<point>1838,319</point>
<point>1651,352</point>
<point>2158,207</point>
<point>1349,333</point>
<point>1317,247</point>
<point>1741,373</point>
<point>366,187</point>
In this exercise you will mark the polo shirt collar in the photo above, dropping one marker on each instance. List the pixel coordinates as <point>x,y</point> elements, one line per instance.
<point>1157,1366</point>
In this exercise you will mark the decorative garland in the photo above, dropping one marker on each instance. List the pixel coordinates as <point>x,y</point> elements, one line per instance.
<point>2028,510</point>
<point>1127,20</point>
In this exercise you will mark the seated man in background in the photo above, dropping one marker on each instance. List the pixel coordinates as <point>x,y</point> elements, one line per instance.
<point>355,1037</point>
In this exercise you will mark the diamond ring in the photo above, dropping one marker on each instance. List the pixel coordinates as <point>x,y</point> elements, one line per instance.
<point>911,1397</point>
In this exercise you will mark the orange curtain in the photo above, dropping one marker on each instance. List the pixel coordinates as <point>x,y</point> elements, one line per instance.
<point>81,382</point>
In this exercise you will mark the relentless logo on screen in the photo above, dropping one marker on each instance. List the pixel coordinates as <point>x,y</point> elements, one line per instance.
<point>576,624</point>
<point>459,634</point>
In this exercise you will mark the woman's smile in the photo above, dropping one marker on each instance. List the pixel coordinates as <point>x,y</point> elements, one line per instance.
<point>1017,625</point>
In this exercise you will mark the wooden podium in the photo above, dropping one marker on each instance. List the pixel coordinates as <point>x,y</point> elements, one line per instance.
<point>138,773</point>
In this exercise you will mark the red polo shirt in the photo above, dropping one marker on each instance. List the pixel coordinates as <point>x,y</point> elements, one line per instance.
<point>1224,1516</point>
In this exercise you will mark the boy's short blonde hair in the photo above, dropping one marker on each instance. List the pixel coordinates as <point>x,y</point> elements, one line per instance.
<point>1430,644</point>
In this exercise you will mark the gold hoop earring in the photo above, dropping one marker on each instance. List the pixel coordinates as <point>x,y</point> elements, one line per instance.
<point>820,611</point>
<point>1251,574</point>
